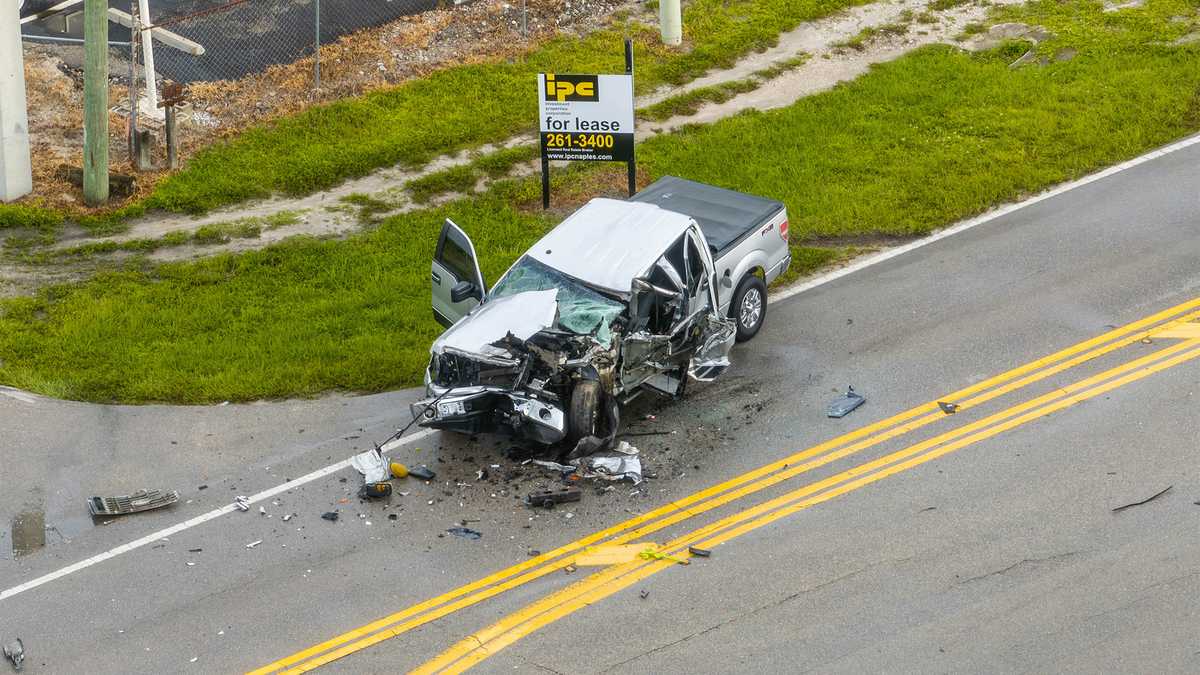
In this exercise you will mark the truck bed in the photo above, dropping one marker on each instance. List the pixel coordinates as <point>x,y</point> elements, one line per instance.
<point>726,217</point>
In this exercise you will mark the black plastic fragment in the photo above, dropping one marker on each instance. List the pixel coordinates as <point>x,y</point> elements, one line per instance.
<point>465,532</point>
<point>701,552</point>
<point>423,472</point>
<point>331,516</point>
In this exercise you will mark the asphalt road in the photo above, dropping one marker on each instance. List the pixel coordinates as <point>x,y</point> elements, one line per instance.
<point>1002,554</point>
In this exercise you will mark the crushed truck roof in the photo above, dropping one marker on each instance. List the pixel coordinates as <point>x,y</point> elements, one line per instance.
<point>609,242</point>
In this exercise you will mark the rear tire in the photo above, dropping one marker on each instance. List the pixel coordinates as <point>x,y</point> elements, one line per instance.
<point>584,410</point>
<point>749,307</point>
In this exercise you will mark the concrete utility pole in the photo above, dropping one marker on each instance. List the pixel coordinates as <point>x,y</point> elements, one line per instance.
<point>16,177</point>
<point>95,102</point>
<point>670,22</point>
<point>148,56</point>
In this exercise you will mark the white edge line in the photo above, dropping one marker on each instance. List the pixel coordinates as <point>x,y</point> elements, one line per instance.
<point>978,220</point>
<point>778,297</point>
<point>198,520</point>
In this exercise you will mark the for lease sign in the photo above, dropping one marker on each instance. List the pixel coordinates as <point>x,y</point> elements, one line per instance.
<point>586,117</point>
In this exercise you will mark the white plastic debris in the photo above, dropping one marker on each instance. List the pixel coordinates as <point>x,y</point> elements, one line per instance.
<point>371,465</point>
<point>254,543</point>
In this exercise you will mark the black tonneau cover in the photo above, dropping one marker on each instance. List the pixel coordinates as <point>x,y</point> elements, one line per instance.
<point>724,216</point>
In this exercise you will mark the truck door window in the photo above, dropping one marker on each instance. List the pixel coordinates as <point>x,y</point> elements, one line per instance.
<point>457,260</point>
<point>695,268</point>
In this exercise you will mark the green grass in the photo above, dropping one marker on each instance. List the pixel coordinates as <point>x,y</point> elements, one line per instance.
<point>207,235</point>
<point>29,217</point>
<point>780,67</point>
<point>688,103</point>
<point>462,178</point>
<point>459,178</point>
<point>463,106</point>
<point>885,155</point>
<point>870,33</point>
<point>498,163</point>
<point>943,5</point>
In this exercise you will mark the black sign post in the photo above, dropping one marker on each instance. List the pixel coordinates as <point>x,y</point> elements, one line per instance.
<point>631,165</point>
<point>587,118</point>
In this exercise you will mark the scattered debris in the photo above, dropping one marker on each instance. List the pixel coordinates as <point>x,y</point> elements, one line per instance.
<point>371,465</point>
<point>570,569</point>
<point>548,498</point>
<point>651,554</point>
<point>288,517</point>
<point>15,651</point>
<point>533,553</point>
<point>375,491</point>
<point>844,404</point>
<point>481,474</point>
<point>423,472</point>
<point>699,552</point>
<point>465,532</point>
<point>243,503</point>
<point>331,516</point>
<point>613,468</point>
<point>554,466</point>
<point>202,487</point>
<point>195,550</point>
<point>948,408</point>
<point>398,470</point>
<point>142,500</point>
<point>612,554</point>
<point>254,543</point>
<point>262,510</point>
<point>392,516</point>
<point>1144,501</point>
<point>644,594</point>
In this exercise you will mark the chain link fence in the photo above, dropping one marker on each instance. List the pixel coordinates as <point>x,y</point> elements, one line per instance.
<point>241,37</point>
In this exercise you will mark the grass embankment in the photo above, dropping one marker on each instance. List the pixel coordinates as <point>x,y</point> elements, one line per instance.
<point>913,145</point>
<point>463,106</point>
<point>35,224</point>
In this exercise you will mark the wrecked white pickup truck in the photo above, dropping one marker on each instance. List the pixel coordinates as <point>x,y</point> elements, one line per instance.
<point>620,298</point>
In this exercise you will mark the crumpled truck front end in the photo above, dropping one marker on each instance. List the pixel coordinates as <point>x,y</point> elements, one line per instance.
<point>468,395</point>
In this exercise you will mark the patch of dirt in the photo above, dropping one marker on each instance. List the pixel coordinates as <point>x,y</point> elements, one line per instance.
<point>832,63</point>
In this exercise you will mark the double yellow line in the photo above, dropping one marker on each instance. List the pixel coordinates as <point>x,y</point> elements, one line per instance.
<point>503,633</point>
<point>733,489</point>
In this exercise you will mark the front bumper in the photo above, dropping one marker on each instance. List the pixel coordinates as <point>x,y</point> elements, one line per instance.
<point>475,410</point>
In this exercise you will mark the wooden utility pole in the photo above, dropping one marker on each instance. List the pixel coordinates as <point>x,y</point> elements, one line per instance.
<point>95,102</point>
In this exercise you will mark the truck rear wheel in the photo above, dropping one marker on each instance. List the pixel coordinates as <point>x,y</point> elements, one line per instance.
<point>749,307</point>
<point>584,410</point>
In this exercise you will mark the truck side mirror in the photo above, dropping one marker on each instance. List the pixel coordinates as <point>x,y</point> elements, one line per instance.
<point>726,280</point>
<point>463,290</point>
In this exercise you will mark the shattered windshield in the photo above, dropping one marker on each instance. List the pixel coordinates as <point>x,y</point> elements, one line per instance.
<point>580,309</point>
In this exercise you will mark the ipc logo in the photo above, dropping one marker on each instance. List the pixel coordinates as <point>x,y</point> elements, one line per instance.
<point>572,88</point>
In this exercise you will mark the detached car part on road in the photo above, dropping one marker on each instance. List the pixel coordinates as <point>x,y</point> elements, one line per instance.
<point>619,298</point>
